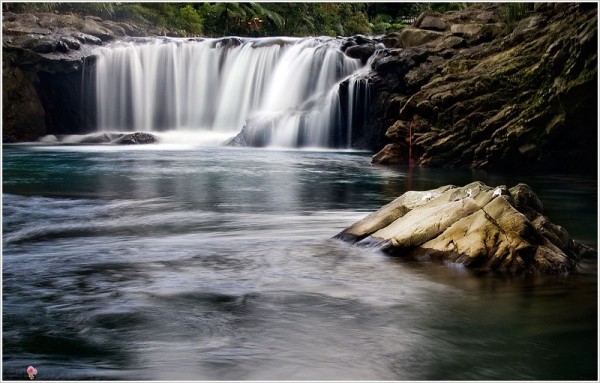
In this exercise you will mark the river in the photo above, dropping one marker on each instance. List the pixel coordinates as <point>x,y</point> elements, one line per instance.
<point>173,262</point>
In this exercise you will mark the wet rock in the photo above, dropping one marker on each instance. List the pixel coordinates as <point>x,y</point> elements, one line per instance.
<point>361,40</point>
<point>137,139</point>
<point>62,46</point>
<point>391,154</point>
<point>84,38</point>
<point>91,27</point>
<point>360,47</point>
<point>481,227</point>
<point>391,40</point>
<point>70,42</point>
<point>237,141</point>
<point>362,52</point>
<point>227,42</point>
<point>34,42</point>
<point>347,44</point>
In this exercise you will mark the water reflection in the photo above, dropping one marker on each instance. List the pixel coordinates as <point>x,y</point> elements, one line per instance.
<point>218,265</point>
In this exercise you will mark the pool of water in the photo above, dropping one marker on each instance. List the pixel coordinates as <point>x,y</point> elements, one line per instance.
<point>190,263</point>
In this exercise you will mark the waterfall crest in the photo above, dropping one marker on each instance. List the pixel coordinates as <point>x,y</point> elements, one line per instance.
<point>284,89</point>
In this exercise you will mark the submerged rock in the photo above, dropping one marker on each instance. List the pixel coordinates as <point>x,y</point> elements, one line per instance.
<point>478,226</point>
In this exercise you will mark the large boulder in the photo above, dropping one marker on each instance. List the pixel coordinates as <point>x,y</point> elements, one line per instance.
<point>480,227</point>
<point>360,47</point>
<point>362,52</point>
<point>432,22</point>
<point>414,37</point>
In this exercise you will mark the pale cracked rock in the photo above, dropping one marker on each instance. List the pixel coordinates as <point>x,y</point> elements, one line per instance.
<point>478,226</point>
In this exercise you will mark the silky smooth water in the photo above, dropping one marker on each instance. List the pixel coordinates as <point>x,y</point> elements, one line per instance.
<point>181,263</point>
<point>283,89</point>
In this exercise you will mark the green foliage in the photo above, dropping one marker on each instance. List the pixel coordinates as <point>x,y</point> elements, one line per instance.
<point>513,12</point>
<point>357,24</point>
<point>416,9</point>
<point>28,7</point>
<point>445,7</point>
<point>396,27</point>
<point>381,28</point>
<point>103,10</point>
<point>382,18</point>
<point>135,12</point>
<point>252,19</point>
<point>190,20</point>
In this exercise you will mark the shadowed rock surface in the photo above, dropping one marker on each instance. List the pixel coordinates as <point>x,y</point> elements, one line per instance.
<point>44,59</point>
<point>479,94</point>
<point>476,225</point>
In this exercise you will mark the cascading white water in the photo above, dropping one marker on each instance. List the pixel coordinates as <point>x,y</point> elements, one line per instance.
<point>288,87</point>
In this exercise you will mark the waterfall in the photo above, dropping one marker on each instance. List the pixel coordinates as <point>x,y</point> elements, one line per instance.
<point>281,91</point>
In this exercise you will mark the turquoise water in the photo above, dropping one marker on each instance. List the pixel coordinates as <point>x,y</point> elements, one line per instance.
<point>183,263</point>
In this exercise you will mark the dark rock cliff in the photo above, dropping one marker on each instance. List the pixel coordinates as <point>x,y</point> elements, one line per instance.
<point>477,95</point>
<point>44,59</point>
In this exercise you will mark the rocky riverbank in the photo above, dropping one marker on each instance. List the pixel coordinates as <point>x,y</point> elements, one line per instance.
<point>481,227</point>
<point>476,94</point>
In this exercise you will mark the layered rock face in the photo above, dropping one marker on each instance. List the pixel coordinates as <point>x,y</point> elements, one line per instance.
<point>476,225</point>
<point>477,95</point>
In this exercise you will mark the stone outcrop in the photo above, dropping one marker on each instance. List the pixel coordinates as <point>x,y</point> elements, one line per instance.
<point>479,95</point>
<point>480,227</point>
<point>360,47</point>
<point>44,57</point>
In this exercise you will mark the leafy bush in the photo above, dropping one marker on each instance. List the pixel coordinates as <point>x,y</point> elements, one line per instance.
<point>397,27</point>
<point>357,24</point>
<point>276,19</point>
<point>513,12</point>
<point>102,10</point>
<point>190,20</point>
<point>28,7</point>
<point>381,28</point>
